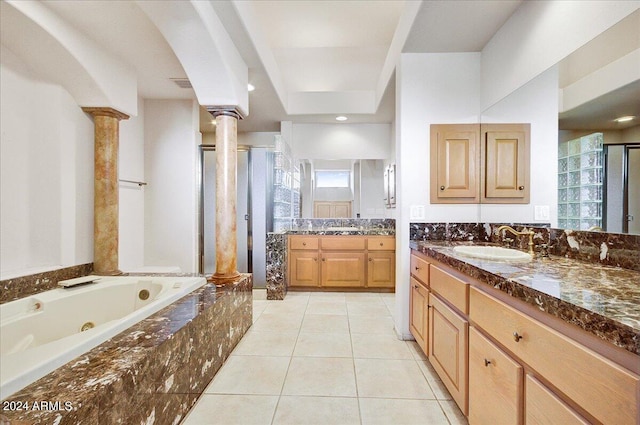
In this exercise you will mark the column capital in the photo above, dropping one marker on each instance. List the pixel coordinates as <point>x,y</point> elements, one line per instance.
<point>105,112</point>
<point>228,110</point>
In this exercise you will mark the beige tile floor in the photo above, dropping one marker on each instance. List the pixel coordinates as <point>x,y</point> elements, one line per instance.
<point>325,358</point>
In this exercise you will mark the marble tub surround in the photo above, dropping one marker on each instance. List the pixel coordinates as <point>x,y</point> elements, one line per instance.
<point>602,300</point>
<point>612,249</point>
<point>24,286</point>
<point>154,371</point>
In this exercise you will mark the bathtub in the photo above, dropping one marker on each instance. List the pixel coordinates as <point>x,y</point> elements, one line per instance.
<point>42,332</point>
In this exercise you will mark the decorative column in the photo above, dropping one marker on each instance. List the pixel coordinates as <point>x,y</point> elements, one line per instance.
<point>226,194</point>
<point>105,202</point>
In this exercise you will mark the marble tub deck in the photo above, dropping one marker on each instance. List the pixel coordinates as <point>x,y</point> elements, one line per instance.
<point>151,373</point>
<point>602,300</point>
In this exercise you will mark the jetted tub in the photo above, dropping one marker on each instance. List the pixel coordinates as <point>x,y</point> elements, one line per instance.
<point>42,332</point>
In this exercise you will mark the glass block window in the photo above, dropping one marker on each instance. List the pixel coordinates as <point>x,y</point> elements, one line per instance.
<point>580,182</point>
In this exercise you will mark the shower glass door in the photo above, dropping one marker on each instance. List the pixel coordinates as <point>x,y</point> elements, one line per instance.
<point>208,211</point>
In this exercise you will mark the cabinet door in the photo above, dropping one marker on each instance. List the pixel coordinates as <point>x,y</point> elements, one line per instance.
<point>343,269</point>
<point>381,270</point>
<point>455,155</point>
<point>506,163</point>
<point>448,349</point>
<point>495,383</point>
<point>542,407</point>
<point>303,268</point>
<point>419,314</point>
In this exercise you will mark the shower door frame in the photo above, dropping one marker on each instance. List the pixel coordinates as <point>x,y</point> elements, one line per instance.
<point>201,225</point>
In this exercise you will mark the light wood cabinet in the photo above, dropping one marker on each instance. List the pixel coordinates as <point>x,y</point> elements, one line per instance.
<point>419,314</point>
<point>303,268</point>
<point>342,269</point>
<point>474,163</point>
<point>604,389</point>
<point>543,407</point>
<point>448,349</point>
<point>381,269</point>
<point>349,262</point>
<point>505,163</point>
<point>495,384</point>
<point>332,209</point>
<point>455,173</point>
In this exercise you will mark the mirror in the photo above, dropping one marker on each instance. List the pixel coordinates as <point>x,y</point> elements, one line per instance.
<point>576,144</point>
<point>342,188</point>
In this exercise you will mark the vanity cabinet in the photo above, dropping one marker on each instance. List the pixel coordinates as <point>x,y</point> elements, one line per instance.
<point>473,163</point>
<point>341,261</point>
<point>602,388</point>
<point>419,302</point>
<point>495,383</point>
<point>505,362</point>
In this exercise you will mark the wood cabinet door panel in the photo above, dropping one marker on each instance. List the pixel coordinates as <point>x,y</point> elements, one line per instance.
<point>342,269</point>
<point>505,163</point>
<point>454,163</point>
<point>381,270</point>
<point>495,383</point>
<point>419,314</point>
<point>303,268</point>
<point>448,349</point>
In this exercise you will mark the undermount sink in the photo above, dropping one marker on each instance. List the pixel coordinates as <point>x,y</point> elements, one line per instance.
<point>492,253</point>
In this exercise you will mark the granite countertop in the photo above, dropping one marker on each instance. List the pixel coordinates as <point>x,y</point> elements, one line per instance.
<point>602,300</point>
<point>346,231</point>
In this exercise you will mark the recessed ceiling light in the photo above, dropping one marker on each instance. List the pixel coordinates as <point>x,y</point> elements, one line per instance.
<point>625,119</point>
<point>250,87</point>
<point>341,118</point>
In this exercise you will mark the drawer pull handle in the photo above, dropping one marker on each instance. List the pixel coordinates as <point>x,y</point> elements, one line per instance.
<point>370,259</point>
<point>517,337</point>
<point>323,259</point>
<point>417,268</point>
<point>415,286</point>
<point>487,362</point>
<point>441,187</point>
<point>520,187</point>
<point>381,244</point>
<point>315,259</point>
<point>304,244</point>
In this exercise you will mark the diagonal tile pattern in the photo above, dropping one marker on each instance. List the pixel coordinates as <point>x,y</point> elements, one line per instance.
<point>323,359</point>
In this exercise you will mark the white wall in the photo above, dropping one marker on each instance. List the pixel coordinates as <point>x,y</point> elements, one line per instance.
<point>535,103</point>
<point>131,196</point>
<point>538,35</point>
<point>341,141</point>
<point>431,88</point>
<point>171,139</point>
<point>372,189</point>
<point>46,154</point>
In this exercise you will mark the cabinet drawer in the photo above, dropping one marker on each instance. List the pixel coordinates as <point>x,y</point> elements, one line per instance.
<point>495,383</point>
<point>420,268</point>
<point>343,243</point>
<point>602,388</point>
<point>542,407</point>
<point>303,242</point>
<point>450,288</point>
<point>381,243</point>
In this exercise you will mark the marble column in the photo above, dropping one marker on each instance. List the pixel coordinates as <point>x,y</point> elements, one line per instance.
<point>105,203</point>
<point>226,194</point>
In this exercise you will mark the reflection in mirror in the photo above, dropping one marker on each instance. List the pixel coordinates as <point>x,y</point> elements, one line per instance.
<point>342,188</point>
<point>597,181</point>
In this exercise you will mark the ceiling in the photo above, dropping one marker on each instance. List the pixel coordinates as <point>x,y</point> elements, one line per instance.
<point>299,50</point>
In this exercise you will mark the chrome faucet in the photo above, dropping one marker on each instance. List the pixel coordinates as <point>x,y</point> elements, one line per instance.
<point>516,233</point>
